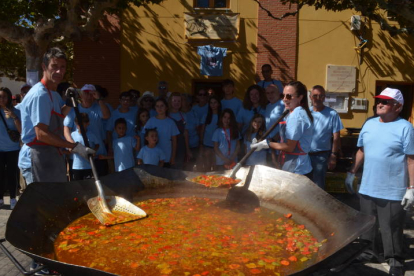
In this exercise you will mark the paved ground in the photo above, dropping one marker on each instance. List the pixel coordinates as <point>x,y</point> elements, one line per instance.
<point>7,268</point>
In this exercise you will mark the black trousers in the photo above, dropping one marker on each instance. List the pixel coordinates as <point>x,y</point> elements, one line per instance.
<point>81,174</point>
<point>390,217</point>
<point>8,172</point>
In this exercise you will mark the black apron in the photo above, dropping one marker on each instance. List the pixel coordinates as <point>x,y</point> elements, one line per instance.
<point>48,163</point>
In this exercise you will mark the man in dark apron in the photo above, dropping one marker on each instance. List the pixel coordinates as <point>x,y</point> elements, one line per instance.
<point>42,112</point>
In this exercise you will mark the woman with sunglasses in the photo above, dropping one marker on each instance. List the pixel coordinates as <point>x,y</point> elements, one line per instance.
<point>296,131</point>
<point>9,150</point>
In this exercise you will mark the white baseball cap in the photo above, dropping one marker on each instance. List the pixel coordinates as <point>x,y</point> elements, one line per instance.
<point>88,87</point>
<point>391,94</point>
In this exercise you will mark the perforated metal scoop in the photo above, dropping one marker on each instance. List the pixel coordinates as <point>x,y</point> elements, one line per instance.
<point>113,209</point>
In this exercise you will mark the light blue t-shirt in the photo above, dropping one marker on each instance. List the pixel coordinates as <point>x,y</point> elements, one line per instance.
<point>105,121</point>
<point>220,137</point>
<point>385,146</point>
<point>211,63</point>
<point>151,156</point>
<point>200,111</point>
<point>36,108</point>
<point>245,116</point>
<point>6,144</point>
<point>300,128</point>
<point>209,130</point>
<point>95,124</point>
<point>325,123</point>
<point>192,124</point>
<point>80,163</point>
<point>263,84</point>
<point>273,113</point>
<point>257,157</point>
<point>234,104</point>
<point>124,153</point>
<point>25,160</point>
<point>166,130</point>
<point>130,118</point>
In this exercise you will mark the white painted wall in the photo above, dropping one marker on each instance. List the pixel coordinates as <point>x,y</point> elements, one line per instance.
<point>14,86</point>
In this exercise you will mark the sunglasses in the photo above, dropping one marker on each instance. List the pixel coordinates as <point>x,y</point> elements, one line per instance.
<point>385,102</point>
<point>162,87</point>
<point>287,96</point>
<point>318,96</point>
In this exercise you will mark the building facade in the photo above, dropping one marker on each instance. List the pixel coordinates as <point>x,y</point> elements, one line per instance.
<point>150,43</point>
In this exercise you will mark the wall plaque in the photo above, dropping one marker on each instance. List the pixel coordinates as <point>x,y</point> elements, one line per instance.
<point>340,79</point>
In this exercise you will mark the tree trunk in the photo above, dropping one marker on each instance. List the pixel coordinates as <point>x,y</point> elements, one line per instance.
<point>34,56</point>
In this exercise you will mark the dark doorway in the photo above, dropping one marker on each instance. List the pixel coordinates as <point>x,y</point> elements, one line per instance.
<point>215,85</point>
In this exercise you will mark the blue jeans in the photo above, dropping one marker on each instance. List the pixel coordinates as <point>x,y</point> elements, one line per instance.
<point>320,166</point>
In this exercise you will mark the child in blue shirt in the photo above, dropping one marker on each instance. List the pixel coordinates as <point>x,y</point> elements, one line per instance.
<point>123,147</point>
<point>142,119</point>
<point>150,154</point>
<point>81,168</point>
<point>226,140</point>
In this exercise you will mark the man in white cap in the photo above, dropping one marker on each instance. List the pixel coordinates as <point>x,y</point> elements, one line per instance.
<point>387,188</point>
<point>93,104</point>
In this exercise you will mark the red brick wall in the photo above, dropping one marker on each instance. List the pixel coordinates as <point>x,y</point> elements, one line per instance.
<point>98,62</point>
<point>277,41</point>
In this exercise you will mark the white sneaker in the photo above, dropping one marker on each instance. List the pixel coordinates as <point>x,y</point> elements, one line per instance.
<point>1,203</point>
<point>13,202</point>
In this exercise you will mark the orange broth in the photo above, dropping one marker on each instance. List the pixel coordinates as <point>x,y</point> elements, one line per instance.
<point>190,236</point>
<point>215,180</point>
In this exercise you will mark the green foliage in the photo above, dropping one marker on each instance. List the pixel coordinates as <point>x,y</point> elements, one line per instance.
<point>401,10</point>
<point>27,13</point>
<point>12,60</point>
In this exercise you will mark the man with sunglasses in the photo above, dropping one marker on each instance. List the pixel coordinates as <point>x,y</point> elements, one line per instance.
<point>326,139</point>
<point>93,104</point>
<point>163,90</point>
<point>387,188</point>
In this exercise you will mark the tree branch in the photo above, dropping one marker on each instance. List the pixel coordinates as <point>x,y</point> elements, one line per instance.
<point>13,33</point>
<point>399,7</point>
<point>94,14</point>
<point>284,15</point>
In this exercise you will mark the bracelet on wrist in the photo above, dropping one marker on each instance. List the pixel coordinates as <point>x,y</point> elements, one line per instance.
<point>410,187</point>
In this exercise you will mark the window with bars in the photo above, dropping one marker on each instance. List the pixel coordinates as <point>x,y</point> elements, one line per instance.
<point>212,4</point>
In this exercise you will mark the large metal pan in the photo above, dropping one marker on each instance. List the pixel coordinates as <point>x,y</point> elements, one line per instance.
<point>47,208</point>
